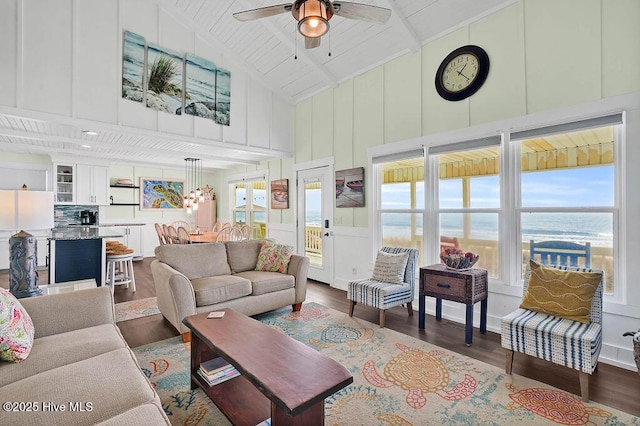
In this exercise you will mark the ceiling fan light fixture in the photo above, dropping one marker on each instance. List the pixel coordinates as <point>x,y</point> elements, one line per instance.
<point>313,19</point>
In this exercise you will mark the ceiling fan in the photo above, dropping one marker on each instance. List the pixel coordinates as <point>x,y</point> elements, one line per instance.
<point>313,15</point>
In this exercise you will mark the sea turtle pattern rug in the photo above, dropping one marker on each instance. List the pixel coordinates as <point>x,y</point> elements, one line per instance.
<point>398,380</point>
<point>136,309</point>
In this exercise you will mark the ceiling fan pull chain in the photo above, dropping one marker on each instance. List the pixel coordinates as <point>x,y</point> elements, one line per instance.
<point>329,44</point>
<point>295,44</point>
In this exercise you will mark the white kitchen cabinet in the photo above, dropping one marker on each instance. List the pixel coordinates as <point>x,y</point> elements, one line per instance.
<point>65,183</point>
<point>132,238</point>
<point>92,185</point>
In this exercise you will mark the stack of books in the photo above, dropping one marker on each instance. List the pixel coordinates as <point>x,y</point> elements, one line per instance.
<point>216,371</point>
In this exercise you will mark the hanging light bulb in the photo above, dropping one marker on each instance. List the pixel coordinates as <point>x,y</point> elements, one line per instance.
<point>193,173</point>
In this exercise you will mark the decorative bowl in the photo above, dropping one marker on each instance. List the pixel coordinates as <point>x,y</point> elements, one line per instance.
<point>459,261</point>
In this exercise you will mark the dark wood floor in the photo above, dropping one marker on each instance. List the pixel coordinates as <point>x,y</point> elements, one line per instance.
<point>609,385</point>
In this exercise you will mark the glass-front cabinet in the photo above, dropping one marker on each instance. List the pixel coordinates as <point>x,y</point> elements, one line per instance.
<point>65,183</point>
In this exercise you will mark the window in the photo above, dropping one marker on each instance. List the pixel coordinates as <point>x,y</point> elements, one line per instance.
<point>567,187</point>
<point>469,199</point>
<point>556,183</point>
<point>402,198</point>
<point>250,205</point>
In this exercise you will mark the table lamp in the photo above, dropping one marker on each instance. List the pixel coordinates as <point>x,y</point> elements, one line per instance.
<point>19,210</point>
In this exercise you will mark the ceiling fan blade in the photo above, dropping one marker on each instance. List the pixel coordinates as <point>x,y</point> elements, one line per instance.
<point>311,42</point>
<point>362,12</point>
<point>262,12</point>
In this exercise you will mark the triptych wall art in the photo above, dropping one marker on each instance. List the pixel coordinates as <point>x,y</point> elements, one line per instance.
<point>173,82</point>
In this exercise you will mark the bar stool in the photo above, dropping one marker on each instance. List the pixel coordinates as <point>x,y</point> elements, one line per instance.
<point>120,266</point>
<point>120,271</point>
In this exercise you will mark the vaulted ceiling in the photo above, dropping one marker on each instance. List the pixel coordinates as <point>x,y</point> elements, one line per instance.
<point>267,48</point>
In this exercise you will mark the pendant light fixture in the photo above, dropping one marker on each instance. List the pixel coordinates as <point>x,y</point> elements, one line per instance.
<point>313,19</point>
<point>193,173</point>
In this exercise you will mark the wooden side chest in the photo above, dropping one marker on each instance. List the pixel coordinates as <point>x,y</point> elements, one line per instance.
<point>468,287</point>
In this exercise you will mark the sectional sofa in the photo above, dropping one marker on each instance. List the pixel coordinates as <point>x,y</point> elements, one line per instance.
<point>79,370</point>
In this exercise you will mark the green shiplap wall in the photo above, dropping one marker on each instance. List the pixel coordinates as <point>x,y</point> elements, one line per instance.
<point>620,47</point>
<point>544,54</point>
<point>402,99</point>
<point>322,125</point>
<point>563,53</point>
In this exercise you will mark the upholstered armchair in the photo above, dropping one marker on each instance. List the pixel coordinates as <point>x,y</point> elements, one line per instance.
<point>392,283</point>
<point>573,343</point>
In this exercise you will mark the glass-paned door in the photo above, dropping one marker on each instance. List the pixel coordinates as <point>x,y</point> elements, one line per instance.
<point>315,212</point>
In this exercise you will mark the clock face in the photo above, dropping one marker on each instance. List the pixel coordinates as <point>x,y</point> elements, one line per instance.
<point>462,73</point>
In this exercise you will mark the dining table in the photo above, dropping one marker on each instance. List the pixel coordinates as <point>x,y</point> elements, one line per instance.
<point>204,237</point>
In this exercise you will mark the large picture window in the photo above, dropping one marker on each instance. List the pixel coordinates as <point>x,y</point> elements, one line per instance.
<point>401,200</point>
<point>550,186</point>
<point>468,202</point>
<point>567,188</point>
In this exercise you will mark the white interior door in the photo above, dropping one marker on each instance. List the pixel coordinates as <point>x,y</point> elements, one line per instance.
<point>316,191</point>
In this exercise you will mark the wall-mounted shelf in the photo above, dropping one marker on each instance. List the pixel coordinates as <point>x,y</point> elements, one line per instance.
<point>111,203</point>
<point>124,186</point>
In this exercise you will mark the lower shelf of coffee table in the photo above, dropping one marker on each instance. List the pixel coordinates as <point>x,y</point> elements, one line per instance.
<point>238,399</point>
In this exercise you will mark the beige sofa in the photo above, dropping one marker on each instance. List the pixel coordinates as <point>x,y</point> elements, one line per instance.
<point>196,278</point>
<point>80,362</point>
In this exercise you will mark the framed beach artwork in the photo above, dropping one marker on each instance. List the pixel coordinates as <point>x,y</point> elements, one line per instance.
<point>161,194</point>
<point>280,194</point>
<point>350,188</point>
<point>200,87</point>
<point>133,67</point>
<point>164,79</point>
<point>223,97</point>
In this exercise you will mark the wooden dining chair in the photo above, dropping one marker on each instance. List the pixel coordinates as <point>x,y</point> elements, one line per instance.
<point>178,223</point>
<point>160,233</point>
<point>183,235</point>
<point>173,235</point>
<point>246,232</point>
<point>229,233</point>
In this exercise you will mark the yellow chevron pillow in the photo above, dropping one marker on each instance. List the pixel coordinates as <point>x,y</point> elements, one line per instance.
<point>565,294</point>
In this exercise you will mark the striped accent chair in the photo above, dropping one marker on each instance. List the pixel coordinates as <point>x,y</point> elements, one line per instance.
<point>385,295</point>
<point>562,341</point>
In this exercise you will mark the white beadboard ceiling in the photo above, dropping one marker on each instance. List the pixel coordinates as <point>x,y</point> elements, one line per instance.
<point>266,49</point>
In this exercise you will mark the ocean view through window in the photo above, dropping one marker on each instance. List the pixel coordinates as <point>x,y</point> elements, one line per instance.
<point>560,186</point>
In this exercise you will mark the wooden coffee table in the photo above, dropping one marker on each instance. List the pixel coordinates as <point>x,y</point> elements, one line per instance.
<point>281,378</point>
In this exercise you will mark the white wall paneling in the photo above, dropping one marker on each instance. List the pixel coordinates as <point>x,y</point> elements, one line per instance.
<point>258,123</point>
<point>46,56</point>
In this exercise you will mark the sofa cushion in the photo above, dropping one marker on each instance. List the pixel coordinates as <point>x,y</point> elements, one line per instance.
<point>195,260</point>
<point>16,329</point>
<point>150,414</point>
<point>274,257</point>
<point>69,347</point>
<point>268,282</point>
<point>212,290</point>
<point>112,382</point>
<point>243,255</point>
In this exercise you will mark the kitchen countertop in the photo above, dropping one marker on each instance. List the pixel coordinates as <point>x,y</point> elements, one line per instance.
<point>103,225</point>
<point>83,233</point>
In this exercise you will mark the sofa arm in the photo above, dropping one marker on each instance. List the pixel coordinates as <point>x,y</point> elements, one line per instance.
<point>175,294</point>
<point>59,313</point>
<point>299,268</point>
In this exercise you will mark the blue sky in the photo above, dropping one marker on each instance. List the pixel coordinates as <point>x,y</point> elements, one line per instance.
<point>579,187</point>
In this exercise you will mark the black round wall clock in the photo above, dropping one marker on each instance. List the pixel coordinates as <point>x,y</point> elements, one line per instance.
<point>462,73</point>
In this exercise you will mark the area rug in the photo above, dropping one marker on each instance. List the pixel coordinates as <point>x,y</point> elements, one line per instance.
<point>136,309</point>
<point>398,380</point>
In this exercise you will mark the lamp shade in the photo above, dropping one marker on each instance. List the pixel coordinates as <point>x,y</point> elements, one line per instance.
<point>313,19</point>
<point>28,210</point>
